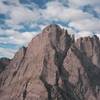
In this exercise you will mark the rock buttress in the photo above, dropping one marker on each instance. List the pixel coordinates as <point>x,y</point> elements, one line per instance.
<point>54,75</point>
<point>82,63</point>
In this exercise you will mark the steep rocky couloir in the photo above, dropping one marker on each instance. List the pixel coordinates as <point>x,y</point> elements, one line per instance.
<point>54,67</point>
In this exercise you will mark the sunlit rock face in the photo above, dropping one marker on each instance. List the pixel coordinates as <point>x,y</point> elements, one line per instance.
<point>54,67</point>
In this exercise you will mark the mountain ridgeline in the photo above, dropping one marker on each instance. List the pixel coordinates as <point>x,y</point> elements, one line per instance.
<point>53,67</point>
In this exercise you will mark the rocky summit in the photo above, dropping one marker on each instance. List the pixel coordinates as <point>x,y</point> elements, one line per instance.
<point>53,67</point>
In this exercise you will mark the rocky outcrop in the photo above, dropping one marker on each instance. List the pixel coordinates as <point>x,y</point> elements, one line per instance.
<point>3,63</point>
<point>54,67</point>
<point>82,63</point>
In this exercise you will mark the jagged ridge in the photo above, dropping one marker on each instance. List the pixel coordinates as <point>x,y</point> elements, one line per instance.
<point>54,67</point>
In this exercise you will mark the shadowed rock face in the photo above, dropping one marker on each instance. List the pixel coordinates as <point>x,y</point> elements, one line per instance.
<point>52,67</point>
<point>3,63</point>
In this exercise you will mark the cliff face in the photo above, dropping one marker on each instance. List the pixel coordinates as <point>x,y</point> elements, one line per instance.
<point>53,67</point>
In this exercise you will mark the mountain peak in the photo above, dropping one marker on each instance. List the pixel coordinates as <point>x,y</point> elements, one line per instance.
<point>51,27</point>
<point>54,67</point>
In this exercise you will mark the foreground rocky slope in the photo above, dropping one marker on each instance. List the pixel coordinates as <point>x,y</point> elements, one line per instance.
<point>54,67</point>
